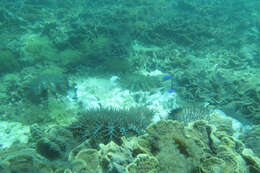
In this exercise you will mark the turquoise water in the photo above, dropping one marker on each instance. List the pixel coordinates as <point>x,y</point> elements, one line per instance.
<point>129,86</point>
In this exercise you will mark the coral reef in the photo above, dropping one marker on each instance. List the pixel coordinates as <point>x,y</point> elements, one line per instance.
<point>138,82</point>
<point>209,149</point>
<point>168,146</point>
<point>210,49</point>
<point>207,76</point>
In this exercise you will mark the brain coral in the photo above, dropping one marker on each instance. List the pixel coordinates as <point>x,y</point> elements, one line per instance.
<point>107,124</point>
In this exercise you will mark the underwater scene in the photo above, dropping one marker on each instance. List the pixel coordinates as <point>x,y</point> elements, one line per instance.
<point>129,86</point>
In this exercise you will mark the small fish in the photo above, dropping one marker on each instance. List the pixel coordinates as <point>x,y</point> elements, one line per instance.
<point>174,112</point>
<point>171,91</point>
<point>167,77</point>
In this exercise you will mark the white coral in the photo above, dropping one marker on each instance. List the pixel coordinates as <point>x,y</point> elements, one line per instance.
<point>96,92</point>
<point>101,92</point>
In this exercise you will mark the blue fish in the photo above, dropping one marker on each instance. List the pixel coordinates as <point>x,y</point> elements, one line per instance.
<point>171,91</point>
<point>167,77</point>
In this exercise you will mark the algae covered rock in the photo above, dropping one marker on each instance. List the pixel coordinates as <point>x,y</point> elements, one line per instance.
<point>8,62</point>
